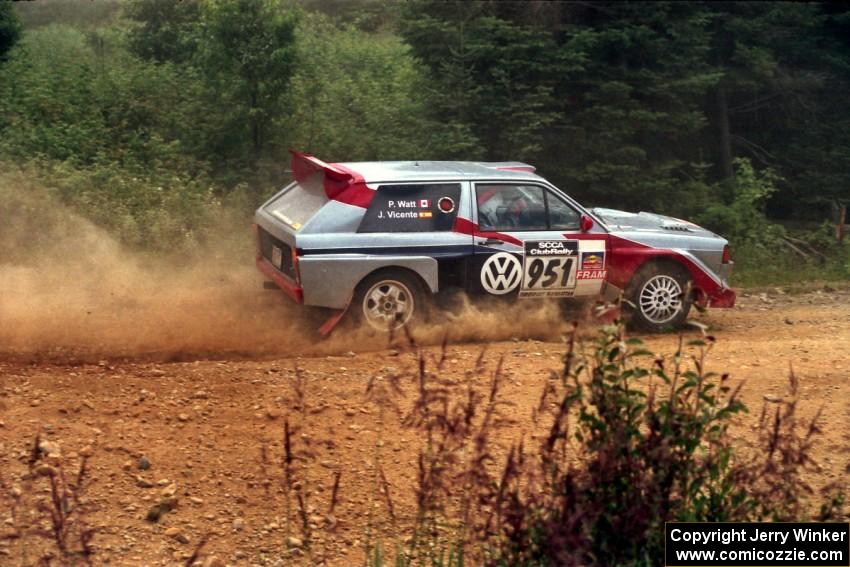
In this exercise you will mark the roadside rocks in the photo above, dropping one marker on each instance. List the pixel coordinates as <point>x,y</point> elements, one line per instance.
<point>144,463</point>
<point>177,534</point>
<point>294,542</point>
<point>50,449</point>
<point>155,513</point>
<point>158,510</point>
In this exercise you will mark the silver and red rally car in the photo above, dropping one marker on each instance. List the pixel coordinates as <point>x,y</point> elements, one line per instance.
<point>383,238</point>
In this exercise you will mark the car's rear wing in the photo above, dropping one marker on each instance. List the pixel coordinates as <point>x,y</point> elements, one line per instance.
<point>340,183</point>
<point>305,165</point>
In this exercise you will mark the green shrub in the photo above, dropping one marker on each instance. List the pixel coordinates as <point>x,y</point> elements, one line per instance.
<point>158,210</point>
<point>10,29</point>
<point>741,217</point>
<point>357,96</point>
<point>760,249</point>
<point>631,441</point>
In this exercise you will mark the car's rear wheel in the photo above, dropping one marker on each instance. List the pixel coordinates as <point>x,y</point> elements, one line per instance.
<point>390,299</point>
<point>659,297</point>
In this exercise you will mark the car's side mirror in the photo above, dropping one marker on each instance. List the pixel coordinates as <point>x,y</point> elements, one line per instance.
<point>586,223</point>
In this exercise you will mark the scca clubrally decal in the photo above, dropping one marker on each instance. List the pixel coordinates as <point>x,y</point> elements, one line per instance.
<point>549,268</point>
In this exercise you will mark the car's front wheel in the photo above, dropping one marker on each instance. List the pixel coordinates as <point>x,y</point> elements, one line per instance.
<point>390,299</point>
<point>659,297</point>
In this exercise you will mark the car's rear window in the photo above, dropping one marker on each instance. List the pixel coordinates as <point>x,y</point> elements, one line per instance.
<point>426,207</point>
<point>298,202</point>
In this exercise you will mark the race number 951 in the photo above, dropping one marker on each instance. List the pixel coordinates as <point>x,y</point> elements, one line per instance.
<point>545,273</point>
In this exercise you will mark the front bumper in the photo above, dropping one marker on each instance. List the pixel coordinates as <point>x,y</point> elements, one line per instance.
<point>289,288</point>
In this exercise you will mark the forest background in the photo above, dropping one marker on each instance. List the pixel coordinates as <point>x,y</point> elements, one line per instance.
<point>152,117</point>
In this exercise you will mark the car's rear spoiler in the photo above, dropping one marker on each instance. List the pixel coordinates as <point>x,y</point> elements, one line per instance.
<point>305,165</point>
<point>340,183</point>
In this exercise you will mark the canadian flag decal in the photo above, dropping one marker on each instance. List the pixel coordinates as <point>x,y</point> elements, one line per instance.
<point>424,203</point>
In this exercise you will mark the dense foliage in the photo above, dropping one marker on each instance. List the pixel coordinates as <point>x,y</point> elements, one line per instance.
<point>676,107</point>
<point>10,28</point>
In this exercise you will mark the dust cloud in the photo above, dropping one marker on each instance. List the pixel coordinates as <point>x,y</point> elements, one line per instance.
<point>70,292</point>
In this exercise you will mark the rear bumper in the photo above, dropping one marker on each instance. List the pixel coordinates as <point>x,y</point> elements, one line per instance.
<point>723,298</point>
<point>294,292</point>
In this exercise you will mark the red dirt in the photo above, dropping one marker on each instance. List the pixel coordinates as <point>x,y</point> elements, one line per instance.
<point>203,421</point>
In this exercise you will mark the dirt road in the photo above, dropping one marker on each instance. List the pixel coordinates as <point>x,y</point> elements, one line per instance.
<point>210,432</point>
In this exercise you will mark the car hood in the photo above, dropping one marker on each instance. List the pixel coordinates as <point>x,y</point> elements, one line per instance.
<point>643,221</point>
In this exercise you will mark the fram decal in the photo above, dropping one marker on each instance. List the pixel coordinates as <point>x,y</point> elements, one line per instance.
<point>591,274</point>
<point>592,260</point>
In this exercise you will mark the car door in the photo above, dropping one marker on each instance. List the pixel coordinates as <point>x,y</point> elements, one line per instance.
<point>528,243</point>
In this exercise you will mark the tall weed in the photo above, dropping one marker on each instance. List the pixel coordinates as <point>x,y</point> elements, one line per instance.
<point>626,442</point>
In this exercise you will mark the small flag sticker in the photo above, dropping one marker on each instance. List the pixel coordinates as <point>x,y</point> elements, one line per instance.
<point>425,214</point>
<point>425,203</point>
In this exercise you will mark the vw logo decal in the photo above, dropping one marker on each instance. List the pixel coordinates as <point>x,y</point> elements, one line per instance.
<point>501,273</point>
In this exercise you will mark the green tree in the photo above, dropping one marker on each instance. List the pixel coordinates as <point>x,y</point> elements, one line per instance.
<point>491,80</point>
<point>780,102</point>
<point>755,47</point>
<point>165,30</point>
<point>248,54</point>
<point>106,131</point>
<point>10,28</point>
<point>605,98</point>
<point>632,114</point>
<point>357,96</point>
<point>80,97</point>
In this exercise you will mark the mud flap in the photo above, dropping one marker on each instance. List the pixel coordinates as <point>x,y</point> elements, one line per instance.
<point>334,319</point>
<point>610,308</point>
<point>606,313</point>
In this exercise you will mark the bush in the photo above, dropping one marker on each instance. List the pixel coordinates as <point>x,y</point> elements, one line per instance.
<point>632,441</point>
<point>652,445</point>
<point>760,247</point>
<point>157,210</point>
<point>741,218</point>
<point>10,28</point>
<point>357,96</point>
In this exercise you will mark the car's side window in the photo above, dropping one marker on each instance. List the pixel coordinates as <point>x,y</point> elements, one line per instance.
<point>562,216</point>
<point>423,207</point>
<point>511,207</point>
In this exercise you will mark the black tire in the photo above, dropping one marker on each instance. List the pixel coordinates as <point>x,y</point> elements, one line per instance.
<point>659,297</point>
<point>389,299</point>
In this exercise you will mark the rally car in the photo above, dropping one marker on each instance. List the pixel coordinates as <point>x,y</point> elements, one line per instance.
<point>384,239</point>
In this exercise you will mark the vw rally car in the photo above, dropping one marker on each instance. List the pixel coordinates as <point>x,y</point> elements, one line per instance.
<point>383,238</point>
